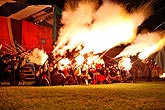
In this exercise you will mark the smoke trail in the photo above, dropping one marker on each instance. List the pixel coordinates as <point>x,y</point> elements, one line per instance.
<point>152,49</point>
<point>144,45</point>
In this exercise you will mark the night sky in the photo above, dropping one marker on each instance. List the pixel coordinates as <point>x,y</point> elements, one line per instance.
<point>59,3</point>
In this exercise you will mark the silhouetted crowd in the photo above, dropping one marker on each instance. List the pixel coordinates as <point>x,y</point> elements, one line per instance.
<point>13,70</point>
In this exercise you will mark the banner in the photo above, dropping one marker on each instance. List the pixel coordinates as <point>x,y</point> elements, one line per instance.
<point>35,36</point>
<point>4,33</point>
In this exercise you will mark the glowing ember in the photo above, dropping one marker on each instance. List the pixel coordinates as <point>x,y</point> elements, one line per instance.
<point>162,76</point>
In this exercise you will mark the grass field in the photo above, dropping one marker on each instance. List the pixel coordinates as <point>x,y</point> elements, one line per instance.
<point>116,96</point>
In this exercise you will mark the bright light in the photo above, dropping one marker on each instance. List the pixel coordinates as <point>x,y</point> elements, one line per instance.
<point>102,28</point>
<point>91,59</point>
<point>98,30</point>
<point>38,56</point>
<point>125,63</point>
<point>162,76</point>
<point>64,61</point>
<point>79,60</point>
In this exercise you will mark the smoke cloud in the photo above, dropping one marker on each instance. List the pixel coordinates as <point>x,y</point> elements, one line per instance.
<point>100,28</point>
<point>144,45</point>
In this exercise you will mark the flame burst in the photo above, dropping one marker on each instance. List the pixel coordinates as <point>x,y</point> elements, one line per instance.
<point>88,27</point>
<point>162,76</point>
<point>125,63</point>
<point>64,61</point>
<point>98,29</point>
<point>79,59</point>
<point>37,56</point>
<point>144,45</point>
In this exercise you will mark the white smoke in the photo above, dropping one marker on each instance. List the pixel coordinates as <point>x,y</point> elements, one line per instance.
<point>144,45</point>
<point>38,56</point>
<point>99,30</point>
